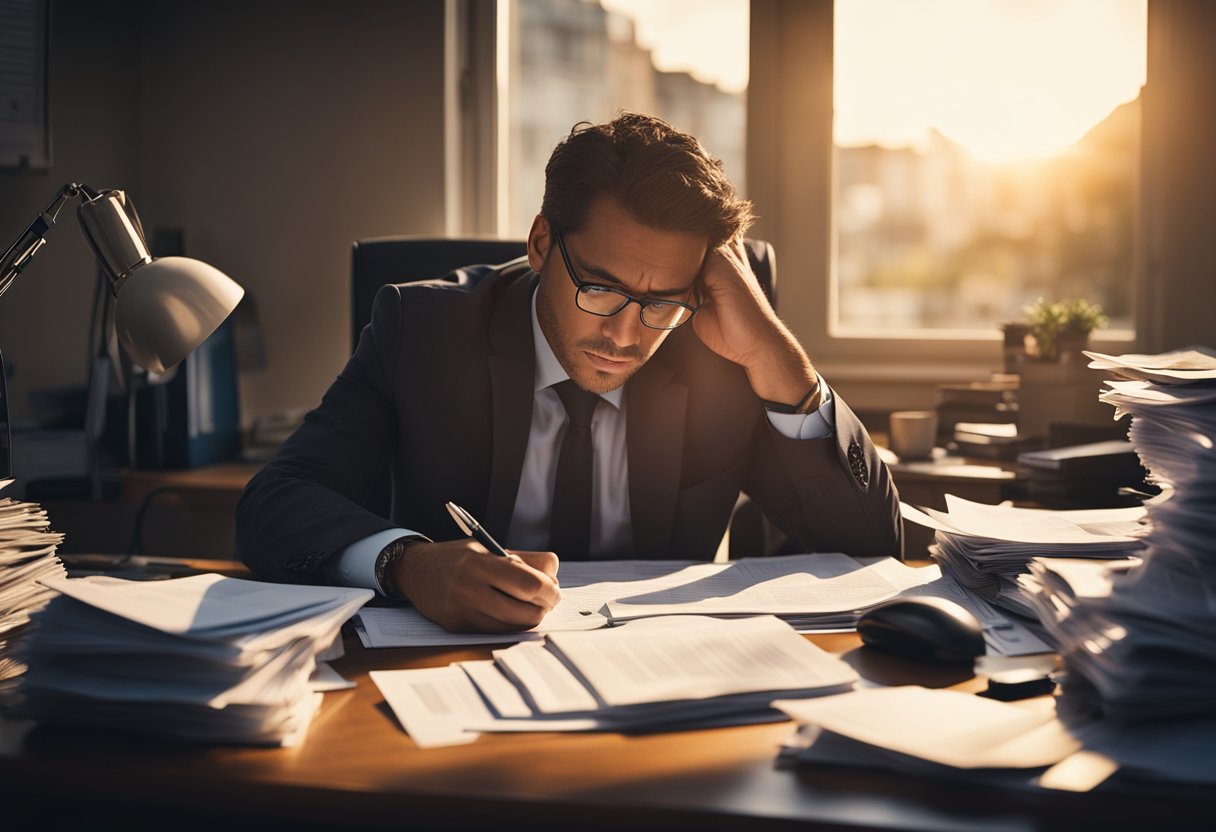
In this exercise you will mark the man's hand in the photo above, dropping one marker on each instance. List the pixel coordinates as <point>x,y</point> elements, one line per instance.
<point>738,323</point>
<point>465,589</point>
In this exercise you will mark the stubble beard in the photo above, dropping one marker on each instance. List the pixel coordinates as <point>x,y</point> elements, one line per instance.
<point>589,378</point>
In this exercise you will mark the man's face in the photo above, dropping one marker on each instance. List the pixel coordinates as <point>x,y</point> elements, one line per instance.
<point>601,353</point>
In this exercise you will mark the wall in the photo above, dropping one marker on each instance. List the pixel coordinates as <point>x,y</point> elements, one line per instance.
<point>1177,294</point>
<point>274,133</point>
<point>278,133</point>
<point>94,92</point>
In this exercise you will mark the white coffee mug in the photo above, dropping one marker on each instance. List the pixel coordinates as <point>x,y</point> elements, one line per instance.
<point>913,433</point>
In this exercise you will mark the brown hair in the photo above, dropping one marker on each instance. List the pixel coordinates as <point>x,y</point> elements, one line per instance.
<point>659,175</point>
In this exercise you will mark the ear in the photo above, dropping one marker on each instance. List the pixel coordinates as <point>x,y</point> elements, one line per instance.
<point>539,240</point>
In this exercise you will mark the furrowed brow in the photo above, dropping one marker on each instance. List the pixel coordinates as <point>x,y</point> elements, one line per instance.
<point>605,276</point>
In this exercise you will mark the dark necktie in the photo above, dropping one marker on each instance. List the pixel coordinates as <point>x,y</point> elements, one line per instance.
<point>570,518</point>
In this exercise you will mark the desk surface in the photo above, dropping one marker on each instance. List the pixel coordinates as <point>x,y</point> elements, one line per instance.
<point>358,769</point>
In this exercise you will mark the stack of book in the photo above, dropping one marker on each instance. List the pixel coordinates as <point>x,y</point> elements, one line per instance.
<point>204,658</point>
<point>1139,645</point>
<point>989,440</point>
<point>987,402</point>
<point>27,555</point>
<point>653,674</point>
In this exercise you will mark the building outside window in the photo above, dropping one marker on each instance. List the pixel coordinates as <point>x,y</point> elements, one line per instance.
<point>685,61</point>
<point>987,153</point>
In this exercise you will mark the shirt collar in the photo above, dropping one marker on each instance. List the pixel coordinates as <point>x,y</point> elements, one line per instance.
<point>549,370</point>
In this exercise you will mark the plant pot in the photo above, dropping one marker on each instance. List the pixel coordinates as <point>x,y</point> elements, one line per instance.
<point>1059,391</point>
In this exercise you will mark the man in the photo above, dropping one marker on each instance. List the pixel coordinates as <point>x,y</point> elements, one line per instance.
<point>610,397</point>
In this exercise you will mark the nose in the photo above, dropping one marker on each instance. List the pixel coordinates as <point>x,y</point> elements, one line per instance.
<point>624,329</point>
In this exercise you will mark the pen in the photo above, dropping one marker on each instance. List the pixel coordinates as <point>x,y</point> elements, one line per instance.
<point>473,529</point>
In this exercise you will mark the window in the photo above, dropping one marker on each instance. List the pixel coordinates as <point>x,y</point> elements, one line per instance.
<point>899,253</point>
<point>987,153</point>
<point>685,61</point>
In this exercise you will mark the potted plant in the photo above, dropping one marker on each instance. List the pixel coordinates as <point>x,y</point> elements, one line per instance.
<point>1062,327</point>
<point>1055,385</point>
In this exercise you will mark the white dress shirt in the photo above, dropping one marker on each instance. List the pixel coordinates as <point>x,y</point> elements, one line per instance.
<point>611,524</point>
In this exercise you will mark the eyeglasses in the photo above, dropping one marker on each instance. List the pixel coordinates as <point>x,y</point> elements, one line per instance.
<point>606,301</point>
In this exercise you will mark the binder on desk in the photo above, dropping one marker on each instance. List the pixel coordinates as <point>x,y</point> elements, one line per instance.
<point>1084,475</point>
<point>1090,460</point>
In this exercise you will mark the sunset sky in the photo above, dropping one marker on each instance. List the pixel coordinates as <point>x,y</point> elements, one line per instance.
<point>1007,79</point>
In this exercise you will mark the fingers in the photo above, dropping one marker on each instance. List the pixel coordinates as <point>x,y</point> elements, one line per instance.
<point>462,587</point>
<point>520,580</point>
<point>541,561</point>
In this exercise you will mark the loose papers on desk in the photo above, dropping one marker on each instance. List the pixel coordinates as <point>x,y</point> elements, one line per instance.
<point>813,592</point>
<point>203,658</point>
<point>655,674</point>
<point>951,728</point>
<point>27,555</point>
<point>954,734</point>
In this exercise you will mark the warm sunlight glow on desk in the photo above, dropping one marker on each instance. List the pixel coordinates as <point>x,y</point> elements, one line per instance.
<point>1008,80</point>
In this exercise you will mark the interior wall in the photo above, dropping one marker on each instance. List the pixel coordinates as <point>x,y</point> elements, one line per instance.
<point>273,133</point>
<point>94,106</point>
<point>276,134</point>
<point>1178,293</point>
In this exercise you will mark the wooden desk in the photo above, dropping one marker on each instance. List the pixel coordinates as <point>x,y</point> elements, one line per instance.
<point>220,484</point>
<point>191,511</point>
<point>357,769</point>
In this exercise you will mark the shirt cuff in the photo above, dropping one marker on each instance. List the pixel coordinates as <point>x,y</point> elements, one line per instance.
<point>356,565</point>
<point>816,425</point>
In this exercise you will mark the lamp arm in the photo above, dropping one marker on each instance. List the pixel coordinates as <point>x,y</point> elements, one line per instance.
<point>34,237</point>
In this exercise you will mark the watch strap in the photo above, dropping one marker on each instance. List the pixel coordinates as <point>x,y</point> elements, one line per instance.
<point>388,558</point>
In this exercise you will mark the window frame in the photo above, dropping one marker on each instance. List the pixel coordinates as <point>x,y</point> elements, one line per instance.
<point>791,175</point>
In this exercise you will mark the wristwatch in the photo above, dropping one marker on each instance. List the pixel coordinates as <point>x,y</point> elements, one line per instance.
<point>811,401</point>
<point>388,558</point>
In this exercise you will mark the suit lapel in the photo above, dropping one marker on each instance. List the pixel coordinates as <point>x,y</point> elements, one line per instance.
<point>512,378</point>
<point>655,408</point>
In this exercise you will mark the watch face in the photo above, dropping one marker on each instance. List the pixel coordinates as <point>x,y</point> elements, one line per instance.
<point>384,565</point>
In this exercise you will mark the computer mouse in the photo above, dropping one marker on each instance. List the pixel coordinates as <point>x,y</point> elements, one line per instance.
<point>923,629</point>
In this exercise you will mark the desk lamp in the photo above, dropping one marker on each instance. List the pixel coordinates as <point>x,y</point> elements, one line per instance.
<point>164,307</point>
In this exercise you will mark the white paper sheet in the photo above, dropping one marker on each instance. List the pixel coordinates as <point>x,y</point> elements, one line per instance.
<point>950,728</point>
<point>692,658</point>
<point>433,704</point>
<point>208,605</point>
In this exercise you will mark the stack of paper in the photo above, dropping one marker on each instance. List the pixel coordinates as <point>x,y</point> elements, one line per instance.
<point>203,658</point>
<point>985,548</point>
<point>27,555</point>
<point>657,674</point>
<point>1141,644</point>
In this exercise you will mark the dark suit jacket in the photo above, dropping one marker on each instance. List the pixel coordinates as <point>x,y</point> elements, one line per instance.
<point>441,386</point>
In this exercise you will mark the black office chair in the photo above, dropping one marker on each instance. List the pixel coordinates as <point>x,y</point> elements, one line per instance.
<point>379,261</point>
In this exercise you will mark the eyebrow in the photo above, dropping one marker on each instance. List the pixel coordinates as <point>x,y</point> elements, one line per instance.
<point>608,277</point>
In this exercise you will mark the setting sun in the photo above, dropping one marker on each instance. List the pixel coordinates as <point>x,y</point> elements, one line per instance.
<point>1006,79</point>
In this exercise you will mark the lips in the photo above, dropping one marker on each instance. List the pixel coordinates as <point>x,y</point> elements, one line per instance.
<point>610,365</point>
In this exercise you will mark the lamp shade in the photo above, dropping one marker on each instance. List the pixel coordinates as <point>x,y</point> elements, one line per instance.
<point>168,306</point>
